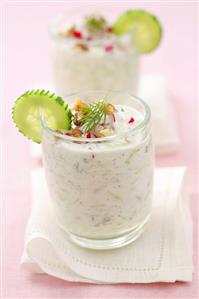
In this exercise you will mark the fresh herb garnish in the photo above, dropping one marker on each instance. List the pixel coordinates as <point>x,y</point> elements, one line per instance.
<point>92,115</point>
<point>95,24</point>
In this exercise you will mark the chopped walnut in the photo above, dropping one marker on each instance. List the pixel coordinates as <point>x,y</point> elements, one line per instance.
<point>76,133</point>
<point>81,46</point>
<point>70,31</point>
<point>76,120</point>
<point>79,105</point>
<point>110,109</point>
<point>104,133</point>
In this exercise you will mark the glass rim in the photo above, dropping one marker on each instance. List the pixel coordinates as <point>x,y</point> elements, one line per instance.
<point>136,129</point>
<point>54,34</point>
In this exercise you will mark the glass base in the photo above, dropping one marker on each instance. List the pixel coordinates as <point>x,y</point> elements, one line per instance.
<point>106,244</point>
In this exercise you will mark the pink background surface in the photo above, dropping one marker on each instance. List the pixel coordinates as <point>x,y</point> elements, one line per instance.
<point>25,61</point>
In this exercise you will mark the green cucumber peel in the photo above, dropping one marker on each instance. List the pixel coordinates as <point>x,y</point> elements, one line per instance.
<point>29,108</point>
<point>145,28</point>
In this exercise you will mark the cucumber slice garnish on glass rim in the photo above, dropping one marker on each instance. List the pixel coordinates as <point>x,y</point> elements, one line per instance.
<point>32,106</point>
<point>145,27</point>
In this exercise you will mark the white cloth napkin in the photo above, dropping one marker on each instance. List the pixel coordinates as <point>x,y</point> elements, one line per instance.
<point>162,253</point>
<point>152,89</point>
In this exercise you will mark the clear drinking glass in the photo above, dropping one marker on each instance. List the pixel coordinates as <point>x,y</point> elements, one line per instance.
<point>101,188</point>
<point>90,67</point>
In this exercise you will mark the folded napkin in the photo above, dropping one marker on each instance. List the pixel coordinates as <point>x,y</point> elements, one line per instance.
<point>153,90</point>
<point>162,253</point>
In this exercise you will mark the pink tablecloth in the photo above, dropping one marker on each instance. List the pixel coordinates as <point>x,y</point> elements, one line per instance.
<point>26,61</point>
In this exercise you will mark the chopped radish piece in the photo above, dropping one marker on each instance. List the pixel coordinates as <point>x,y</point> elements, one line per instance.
<point>131,120</point>
<point>108,48</point>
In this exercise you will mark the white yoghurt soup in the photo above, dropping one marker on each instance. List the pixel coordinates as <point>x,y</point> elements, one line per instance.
<point>101,181</point>
<point>87,55</point>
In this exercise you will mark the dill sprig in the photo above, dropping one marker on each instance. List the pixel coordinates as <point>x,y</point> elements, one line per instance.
<point>92,115</point>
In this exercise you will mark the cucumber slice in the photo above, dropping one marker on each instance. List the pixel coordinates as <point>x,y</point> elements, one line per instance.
<point>29,108</point>
<point>145,28</point>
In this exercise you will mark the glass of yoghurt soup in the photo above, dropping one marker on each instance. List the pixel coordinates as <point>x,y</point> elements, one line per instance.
<point>88,55</point>
<point>100,171</point>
